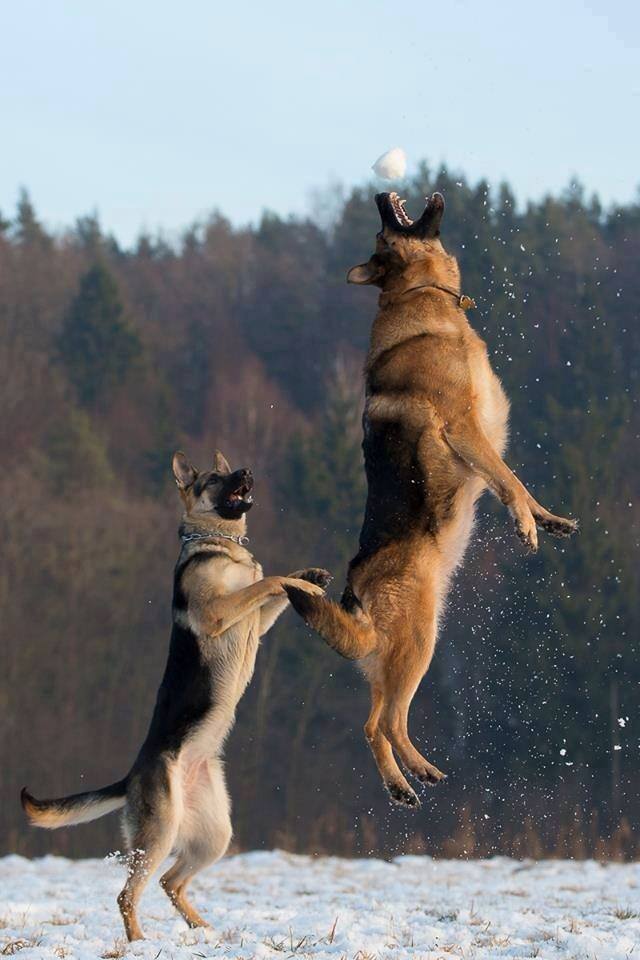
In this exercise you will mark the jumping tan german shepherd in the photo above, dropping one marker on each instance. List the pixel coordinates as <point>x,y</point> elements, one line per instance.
<point>435,430</point>
<point>175,799</point>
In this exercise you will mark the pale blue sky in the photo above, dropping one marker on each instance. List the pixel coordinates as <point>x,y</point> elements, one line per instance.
<point>153,112</point>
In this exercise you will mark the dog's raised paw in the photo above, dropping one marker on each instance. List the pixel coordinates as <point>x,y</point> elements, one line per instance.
<point>302,602</point>
<point>559,526</point>
<point>403,796</point>
<point>527,534</point>
<point>319,576</point>
<point>431,776</point>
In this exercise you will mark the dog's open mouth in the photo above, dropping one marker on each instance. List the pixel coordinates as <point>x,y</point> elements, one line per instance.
<point>395,218</point>
<point>398,207</point>
<point>241,495</point>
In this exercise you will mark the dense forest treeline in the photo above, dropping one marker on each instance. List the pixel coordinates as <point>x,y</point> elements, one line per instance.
<point>248,339</point>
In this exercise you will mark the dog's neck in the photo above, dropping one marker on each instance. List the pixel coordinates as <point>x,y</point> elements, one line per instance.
<point>204,525</point>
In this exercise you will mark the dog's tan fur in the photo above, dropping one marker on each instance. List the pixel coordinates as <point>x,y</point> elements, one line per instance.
<point>428,377</point>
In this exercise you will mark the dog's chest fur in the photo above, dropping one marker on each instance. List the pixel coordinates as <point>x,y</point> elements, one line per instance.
<point>231,656</point>
<point>205,674</point>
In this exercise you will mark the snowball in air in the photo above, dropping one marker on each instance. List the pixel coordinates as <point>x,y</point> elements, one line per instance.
<point>392,165</point>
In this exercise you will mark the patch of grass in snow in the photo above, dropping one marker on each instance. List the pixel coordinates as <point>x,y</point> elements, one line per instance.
<point>288,945</point>
<point>450,917</point>
<point>625,913</point>
<point>401,936</point>
<point>292,944</point>
<point>231,935</point>
<point>499,941</point>
<point>14,946</point>
<point>546,935</point>
<point>118,950</point>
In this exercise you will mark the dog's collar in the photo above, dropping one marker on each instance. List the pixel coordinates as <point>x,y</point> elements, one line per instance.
<point>241,541</point>
<point>463,301</point>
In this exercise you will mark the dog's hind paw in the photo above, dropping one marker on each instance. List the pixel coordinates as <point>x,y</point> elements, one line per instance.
<point>431,775</point>
<point>403,796</point>
<point>559,526</point>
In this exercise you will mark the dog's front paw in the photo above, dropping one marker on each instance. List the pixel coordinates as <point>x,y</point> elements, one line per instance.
<point>302,600</point>
<point>321,578</point>
<point>305,586</point>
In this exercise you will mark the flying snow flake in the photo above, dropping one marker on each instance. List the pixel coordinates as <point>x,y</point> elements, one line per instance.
<point>622,722</point>
<point>391,165</point>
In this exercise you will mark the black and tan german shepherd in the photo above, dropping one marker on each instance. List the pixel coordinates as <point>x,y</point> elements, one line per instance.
<point>175,798</point>
<point>435,430</point>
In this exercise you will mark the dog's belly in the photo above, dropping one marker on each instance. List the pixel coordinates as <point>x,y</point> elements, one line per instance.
<point>194,771</point>
<point>492,403</point>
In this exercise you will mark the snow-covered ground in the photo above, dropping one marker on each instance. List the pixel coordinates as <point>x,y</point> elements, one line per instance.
<point>277,905</point>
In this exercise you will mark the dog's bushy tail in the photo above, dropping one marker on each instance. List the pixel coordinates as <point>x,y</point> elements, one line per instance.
<point>79,808</point>
<point>347,636</point>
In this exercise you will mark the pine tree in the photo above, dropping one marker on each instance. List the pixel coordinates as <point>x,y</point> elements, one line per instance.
<point>27,227</point>
<point>97,345</point>
<point>325,477</point>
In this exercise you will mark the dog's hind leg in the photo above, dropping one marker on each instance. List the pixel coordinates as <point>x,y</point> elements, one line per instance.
<point>152,815</point>
<point>204,836</point>
<point>405,667</point>
<point>392,777</point>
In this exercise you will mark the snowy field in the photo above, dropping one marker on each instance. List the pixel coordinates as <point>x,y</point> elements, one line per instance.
<point>278,905</point>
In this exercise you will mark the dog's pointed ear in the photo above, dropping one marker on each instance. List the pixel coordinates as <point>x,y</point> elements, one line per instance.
<point>368,272</point>
<point>220,463</point>
<point>184,473</point>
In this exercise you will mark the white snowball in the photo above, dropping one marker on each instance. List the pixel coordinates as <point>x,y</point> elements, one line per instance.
<point>392,165</point>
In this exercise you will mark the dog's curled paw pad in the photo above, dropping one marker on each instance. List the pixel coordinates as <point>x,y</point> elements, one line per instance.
<point>559,527</point>
<point>321,578</point>
<point>403,796</point>
<point>432,777</point>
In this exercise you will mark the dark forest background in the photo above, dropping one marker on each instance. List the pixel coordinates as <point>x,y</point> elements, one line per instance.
<point>248,339</point>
